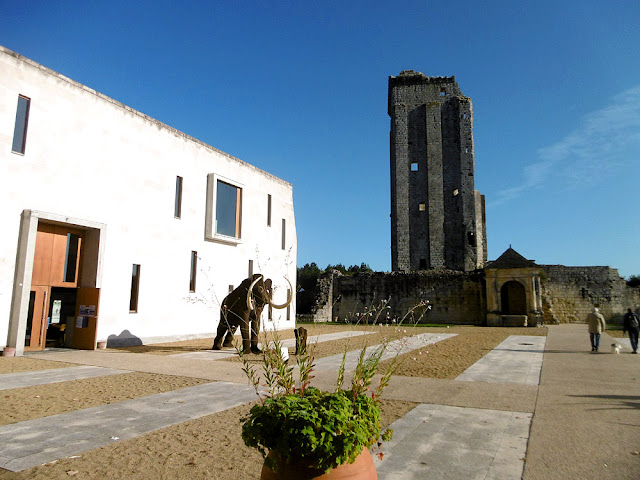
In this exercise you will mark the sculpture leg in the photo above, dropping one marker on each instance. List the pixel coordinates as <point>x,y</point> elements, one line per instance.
<point>228,340</point>
<point>255,331</point>
<point>245,328</point>
<point>222,330</point>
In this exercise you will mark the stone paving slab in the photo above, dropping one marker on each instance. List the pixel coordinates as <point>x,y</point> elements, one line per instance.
<point>518,359</point>
<point>394,348</point>
<point>54,375</point>
<point>438,441</point>
<point>290,343</point>
<point>35,442</point>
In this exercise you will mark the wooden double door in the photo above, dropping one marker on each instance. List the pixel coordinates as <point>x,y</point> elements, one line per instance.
<point>60,313</point>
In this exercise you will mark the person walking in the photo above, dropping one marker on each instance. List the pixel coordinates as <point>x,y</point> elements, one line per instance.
<point>631,325</point>
<point>596,327</point>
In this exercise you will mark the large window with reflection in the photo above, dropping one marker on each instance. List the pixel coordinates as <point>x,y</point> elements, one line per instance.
<point>228,203</point>
<point>224,210</point>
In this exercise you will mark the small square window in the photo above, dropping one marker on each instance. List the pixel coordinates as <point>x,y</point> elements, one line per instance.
<point>443,91</point>
<point>422,206</point>
<point>414,166</point>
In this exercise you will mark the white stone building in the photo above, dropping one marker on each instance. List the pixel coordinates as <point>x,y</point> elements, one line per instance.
<point>119,228</point>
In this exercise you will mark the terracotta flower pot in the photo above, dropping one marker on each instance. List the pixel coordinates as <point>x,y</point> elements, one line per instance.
<point>362,468</point>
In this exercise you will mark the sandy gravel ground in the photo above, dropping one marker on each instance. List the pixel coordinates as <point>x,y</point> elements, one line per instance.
<point>210,447</point>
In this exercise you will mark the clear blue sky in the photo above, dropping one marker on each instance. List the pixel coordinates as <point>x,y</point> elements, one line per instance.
<point>299,89</point>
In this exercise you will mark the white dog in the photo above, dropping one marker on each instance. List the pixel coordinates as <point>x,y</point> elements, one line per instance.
<point>615,348</point>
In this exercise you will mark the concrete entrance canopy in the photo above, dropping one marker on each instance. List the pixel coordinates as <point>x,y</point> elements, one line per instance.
<point>514,295</point>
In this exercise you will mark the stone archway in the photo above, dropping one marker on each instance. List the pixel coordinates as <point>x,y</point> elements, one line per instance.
<point>513,298</point>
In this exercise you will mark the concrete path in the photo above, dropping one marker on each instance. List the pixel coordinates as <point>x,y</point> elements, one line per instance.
<point>35,442</point>
<point>587,417</point>
<point>394,348</point>
<point>443,440</point>
<point>54,375</point>
<point>437,441</point>
<point>518,359</point>
<point>290,343</point>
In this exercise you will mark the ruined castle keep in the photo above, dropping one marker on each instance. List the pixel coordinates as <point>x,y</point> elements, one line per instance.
<point>439,240</point>
<point>437,216</point>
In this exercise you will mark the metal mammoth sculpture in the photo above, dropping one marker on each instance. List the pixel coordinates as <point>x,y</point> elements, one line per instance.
<point>243,307</point>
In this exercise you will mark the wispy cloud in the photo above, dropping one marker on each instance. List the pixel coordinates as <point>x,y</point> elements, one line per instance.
<point>590,152</point>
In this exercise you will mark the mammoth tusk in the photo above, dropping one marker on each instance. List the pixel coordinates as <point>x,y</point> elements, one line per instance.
<point>289,299</point>
<point>250,304</point>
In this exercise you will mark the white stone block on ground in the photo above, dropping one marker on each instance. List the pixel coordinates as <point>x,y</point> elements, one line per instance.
<point>518,359</point>
<point>438,441</point>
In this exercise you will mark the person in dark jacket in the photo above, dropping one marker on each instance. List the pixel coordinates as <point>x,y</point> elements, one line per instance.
<point>631,325</point>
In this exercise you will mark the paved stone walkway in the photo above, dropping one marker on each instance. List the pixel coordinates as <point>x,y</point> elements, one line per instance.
<point>439,441</point>
<point>518,359</point>
<point>290,343</point>
<point>444,441</point>
<point>394,348</point>
<point>35,442</point>
<point>54,375</point>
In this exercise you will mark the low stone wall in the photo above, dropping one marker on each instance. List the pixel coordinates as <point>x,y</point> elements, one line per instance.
<point>570,293</point>
<point>455,297</point>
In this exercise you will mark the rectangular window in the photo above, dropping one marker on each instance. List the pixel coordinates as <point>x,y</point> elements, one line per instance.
<point>284,234</point>
<point>268,210</point>
<point>422,206</point>
<point>414,167</point>
<point>71,258</point>
<point>20,130</point>
<point>251,268</point>
<point>194,271</point>
<point>135,287</point>
<point>228,209</point>
<point>177,208</point>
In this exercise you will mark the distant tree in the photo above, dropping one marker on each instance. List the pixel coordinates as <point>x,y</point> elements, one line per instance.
<point>634,281</point>
<point>307,281</point>
<point>340,267</point>
<point>363,268</point>
<point>308,275</point>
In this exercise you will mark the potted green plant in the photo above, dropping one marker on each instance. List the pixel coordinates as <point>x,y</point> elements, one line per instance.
<point>306,433</point>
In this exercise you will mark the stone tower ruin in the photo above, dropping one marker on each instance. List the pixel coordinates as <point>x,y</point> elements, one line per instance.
<point>437,216</point>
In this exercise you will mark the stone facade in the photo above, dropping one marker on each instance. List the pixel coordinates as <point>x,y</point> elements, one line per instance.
<point>437,217</point>
<point>553,293</point>
<point>569,293</point>
<point>455,297</point>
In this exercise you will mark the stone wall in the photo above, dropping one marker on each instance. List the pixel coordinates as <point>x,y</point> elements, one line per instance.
<point>455,297</point>
<point>570,293</point>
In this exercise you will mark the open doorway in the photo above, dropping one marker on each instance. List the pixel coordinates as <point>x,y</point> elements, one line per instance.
<point>514,298</point>
<point>58,262</point>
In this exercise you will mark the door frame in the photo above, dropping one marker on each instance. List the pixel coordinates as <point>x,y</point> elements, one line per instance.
<point>92,265</point>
